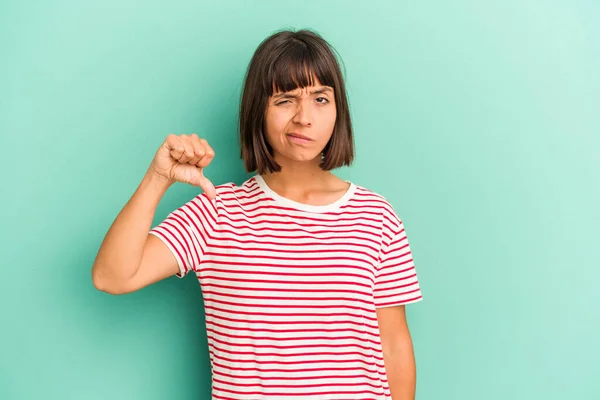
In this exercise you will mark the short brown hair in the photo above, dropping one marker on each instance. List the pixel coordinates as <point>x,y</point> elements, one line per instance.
<point>285,61</point>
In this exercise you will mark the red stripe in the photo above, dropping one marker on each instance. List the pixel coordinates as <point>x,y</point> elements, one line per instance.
<point>379,297</point>
<point>395,272</point>
<point>299,215</point>
<point>287,377</point>
<point>298,338</point>
<point>311,323</point>
<point>283,394</point>
<point>179,256</point>
<point>282,274</point>
<point>263,289</point>
<point>292,306</point>
<point>253,231</point>
<point>236,312</point>
<point>399,302</point>
<point>204,278</point>
<point>304,354</point>
<point>387,253</point>
<point>303,362</point>
<point>300,386</point>
<point>185,236</point>
<point>281,370</point>
<point>348,246</point>
<point>257,346</point>
<point>397,279</point>
<point>222,232</point>
<point>305,330</point>
<point>320,221</point>
<point>330,249</point>
<point>307,259</point>
<point>369,271</point>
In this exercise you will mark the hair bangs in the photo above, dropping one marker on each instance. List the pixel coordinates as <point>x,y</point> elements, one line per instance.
<point>297,67</point>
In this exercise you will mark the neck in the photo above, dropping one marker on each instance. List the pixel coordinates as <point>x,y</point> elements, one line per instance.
<point>298,175</point>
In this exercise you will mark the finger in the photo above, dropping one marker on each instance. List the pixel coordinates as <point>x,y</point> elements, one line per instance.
<point>199,151</point>
<point>188,152</point>
<point>175,146</point>
<point>200,180</point>
<point>209,154</point>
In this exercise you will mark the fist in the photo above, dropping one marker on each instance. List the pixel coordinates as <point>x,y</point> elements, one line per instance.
<point>182,159</point>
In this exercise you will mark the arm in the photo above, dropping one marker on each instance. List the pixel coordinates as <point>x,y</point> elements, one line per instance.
<point>129,258</point>
<point>397,352</point>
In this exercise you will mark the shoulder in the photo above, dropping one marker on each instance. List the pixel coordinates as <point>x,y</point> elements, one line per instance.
<point>374,199</point>
<point>232,189</point>
<point>367,197</point>
<point>231,195</point>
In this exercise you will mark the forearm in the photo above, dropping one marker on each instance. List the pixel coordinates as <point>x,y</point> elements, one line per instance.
<point>401,369</point>
<point>121,251</point>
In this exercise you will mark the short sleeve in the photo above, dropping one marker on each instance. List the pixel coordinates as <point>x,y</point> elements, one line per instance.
<point>187,231</point>
<point>396,281</point>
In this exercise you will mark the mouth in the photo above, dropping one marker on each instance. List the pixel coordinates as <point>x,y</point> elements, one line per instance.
<point>298,138</point>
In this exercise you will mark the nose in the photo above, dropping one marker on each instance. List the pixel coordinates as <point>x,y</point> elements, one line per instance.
<point>303,114</point>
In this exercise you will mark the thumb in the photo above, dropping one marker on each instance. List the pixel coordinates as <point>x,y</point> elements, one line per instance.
<point>206,185</point>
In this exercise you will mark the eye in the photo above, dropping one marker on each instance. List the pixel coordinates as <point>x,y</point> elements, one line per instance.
<point>282,102</point>
<point>325,100</point>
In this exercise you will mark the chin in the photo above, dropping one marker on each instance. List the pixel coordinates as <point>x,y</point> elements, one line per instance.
<point>301,157</point>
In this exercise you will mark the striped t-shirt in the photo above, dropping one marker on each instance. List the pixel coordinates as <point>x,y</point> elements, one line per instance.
<point>291,290</point>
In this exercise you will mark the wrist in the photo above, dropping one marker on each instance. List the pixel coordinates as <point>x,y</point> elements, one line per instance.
<point>156,181</point>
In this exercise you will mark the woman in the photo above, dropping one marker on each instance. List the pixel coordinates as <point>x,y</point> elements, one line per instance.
<point>304,275</point>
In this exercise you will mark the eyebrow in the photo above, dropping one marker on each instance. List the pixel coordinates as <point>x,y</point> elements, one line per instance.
<point>288,95</point>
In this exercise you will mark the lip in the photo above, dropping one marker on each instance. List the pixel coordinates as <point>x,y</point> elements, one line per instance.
<point>299,136</point>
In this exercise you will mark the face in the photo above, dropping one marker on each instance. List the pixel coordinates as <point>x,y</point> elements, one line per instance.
<point>300,123</point>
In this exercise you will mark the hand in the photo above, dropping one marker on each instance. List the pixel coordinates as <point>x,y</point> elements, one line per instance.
<point>182,159</point>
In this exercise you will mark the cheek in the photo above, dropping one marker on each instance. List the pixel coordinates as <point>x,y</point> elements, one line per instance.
<point>275,121</point>
<point>328,123</point>
<point>332,119</point>
<point>275,124</point>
